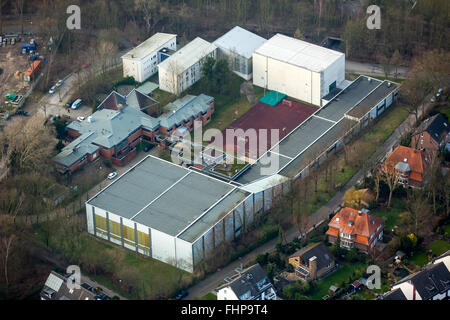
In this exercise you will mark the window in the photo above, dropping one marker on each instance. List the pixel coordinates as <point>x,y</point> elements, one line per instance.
<point>143,239</point>
<point>114,230</point>
<point>100,223</point>
<point>128,235</point>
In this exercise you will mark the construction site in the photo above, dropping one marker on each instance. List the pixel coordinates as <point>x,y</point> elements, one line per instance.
<point>20,63</point>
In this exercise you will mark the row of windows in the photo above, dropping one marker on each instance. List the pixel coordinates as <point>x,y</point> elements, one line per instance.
<point>128,233</point>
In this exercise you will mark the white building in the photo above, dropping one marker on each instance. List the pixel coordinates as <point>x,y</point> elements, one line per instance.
<point>238,46</point>
<point>183,68</point>
<point>169,213</point>
<point>251,284</point>
<point>142,62</point>
<point>297,68</point>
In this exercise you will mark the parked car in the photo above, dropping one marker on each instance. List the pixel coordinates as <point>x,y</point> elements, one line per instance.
<point>84,66</point>
<point>81,118</point>
<point>182,294</point>
<point>22,113</point>
<point>69,103</point>
<point>59,83</point>
<point>77,104</point>
<point>52,90</point>
<point>112,175</point>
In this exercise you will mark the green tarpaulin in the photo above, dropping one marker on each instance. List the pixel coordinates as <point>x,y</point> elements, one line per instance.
<point>272,98</point>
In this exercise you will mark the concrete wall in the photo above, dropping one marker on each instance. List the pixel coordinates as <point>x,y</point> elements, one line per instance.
<point>335,72</point>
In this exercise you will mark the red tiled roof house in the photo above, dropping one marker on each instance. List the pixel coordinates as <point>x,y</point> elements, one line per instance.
<point>356,229</point>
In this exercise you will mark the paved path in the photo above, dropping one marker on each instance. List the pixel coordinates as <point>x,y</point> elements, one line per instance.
<point>211,281</point>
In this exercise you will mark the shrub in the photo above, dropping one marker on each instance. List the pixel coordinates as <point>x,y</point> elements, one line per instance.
<point>126,81</point>
<point>108,163</point>
<point>262,259</point>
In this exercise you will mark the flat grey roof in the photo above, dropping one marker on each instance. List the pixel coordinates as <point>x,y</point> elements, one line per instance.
<point>169,198</point>
<point>348,98</point>
<point>303,136</point>
<point>317,148</point>
<point>372,99</point>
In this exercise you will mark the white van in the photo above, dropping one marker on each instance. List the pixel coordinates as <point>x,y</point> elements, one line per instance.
<point>77,103</point>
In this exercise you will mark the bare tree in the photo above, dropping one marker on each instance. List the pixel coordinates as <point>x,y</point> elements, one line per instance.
<point>18,6</point>
<point>27,144</point>
<point>391,177</point>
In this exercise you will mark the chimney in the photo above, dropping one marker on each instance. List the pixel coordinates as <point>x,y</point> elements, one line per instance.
<point>360,213</point>
<point>313,267</point>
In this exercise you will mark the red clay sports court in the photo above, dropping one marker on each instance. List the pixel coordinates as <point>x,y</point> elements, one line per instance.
<point>285,117</point>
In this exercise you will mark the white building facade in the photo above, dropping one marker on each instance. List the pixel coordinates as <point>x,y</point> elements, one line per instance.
<point>183,69</point>
<point>297,68</point>
<point>142,62</point>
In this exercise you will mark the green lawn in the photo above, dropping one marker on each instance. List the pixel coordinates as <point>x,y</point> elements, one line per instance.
<point>439,247</point>
<point>419,259</point>
<point>343,274</point>
<point>391,214</point>
<point>225,114</point>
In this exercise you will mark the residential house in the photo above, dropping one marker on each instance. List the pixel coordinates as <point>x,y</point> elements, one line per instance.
<point>431,135</point>
<point>410,165</point>
<point>312,262</point>
<point>142,62</point>
<point>356,229</point>
<point>56,288</point>
<point>184,68</point>
<point>238,45</point>
<point>430,283</point>
<point>122,122</point>
<point>251,284</point>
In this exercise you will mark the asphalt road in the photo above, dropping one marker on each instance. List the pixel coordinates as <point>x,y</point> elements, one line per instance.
<point>371,69</point>
<point>211,281</point>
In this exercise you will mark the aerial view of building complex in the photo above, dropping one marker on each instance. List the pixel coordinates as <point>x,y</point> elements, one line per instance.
<point>239,150</point>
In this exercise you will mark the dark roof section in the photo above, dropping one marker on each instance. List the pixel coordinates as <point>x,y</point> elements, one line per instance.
<point>397,294</point>
<point>253,280</point>
<point>432,280</point>
<point>56,288</point>
<point>435,126</point>
<point>318,250</point>
<point>112,101</point>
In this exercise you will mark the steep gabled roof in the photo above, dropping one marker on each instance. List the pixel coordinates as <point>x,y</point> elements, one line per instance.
<point>435,126</point>
<point>318,250</point>
<point>249,283</point>
<point>414,158</point>
<point>396,294</point>
<point>431,280</point>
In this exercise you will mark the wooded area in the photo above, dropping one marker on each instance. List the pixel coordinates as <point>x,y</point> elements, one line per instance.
<point>403,28</point>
